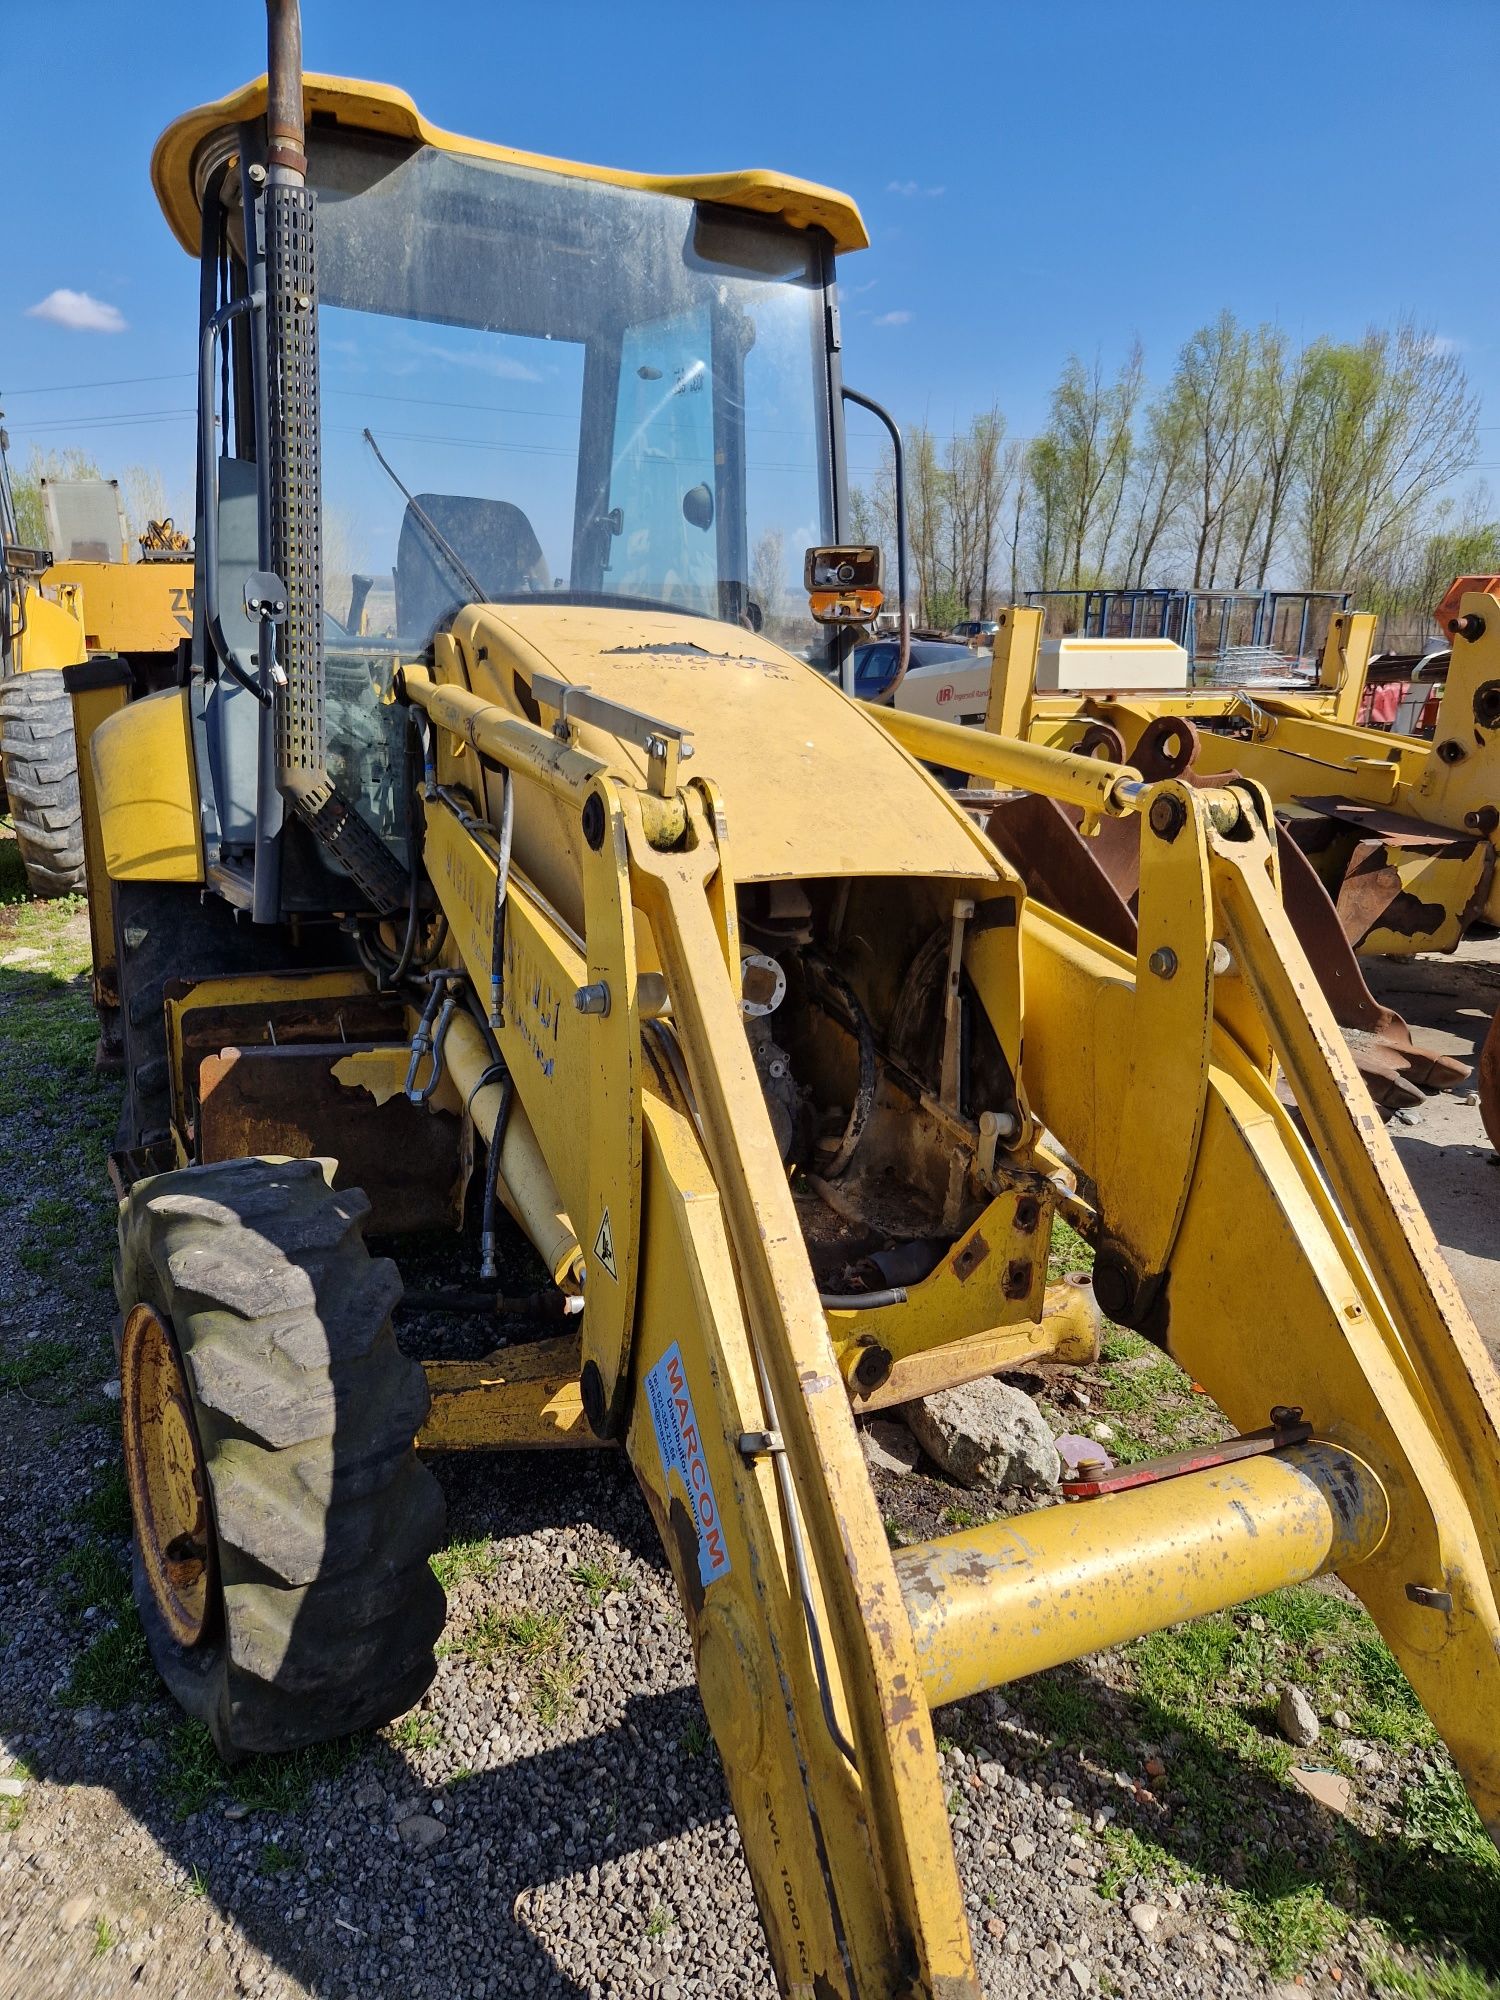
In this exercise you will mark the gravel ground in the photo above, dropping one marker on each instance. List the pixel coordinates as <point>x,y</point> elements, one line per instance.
<point>552,1820</point>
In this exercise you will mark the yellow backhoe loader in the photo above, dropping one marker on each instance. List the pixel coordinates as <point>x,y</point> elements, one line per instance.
<point>92,605</point>
<point>572,884</point>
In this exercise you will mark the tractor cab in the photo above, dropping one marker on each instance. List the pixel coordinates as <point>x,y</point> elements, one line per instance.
<point>530,382</point>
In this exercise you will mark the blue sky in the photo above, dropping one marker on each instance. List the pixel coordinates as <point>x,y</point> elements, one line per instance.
<point>1038,176</point>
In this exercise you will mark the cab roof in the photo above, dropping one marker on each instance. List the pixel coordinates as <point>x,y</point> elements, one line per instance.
<point>378,108</point>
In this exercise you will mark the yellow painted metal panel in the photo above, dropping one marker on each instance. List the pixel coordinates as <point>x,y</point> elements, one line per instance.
<point>808,777</point>
<point>92,706</point>
<point>53,634</point>
<point>131,607</point>
<point>377,107</point>
<point>147,787</point>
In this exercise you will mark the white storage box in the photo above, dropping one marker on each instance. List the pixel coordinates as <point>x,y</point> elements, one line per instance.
<point>1096,666</point>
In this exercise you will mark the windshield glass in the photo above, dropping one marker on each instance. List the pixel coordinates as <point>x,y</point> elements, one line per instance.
<point>590,392</point>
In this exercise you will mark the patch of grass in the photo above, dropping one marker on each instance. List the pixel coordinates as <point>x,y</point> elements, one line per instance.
<point>1379,1697</point>
<point>104,1938</point>
<point>964,1517</point>
<point>1062,1705</point>
<point>107,1509</point>
<point>43,1358</point>
<point>94,1577</point>
<point>195,1777</point>
<point>1449,1979</point>
<point>696,1738</point>
<point>522,1636</point>
<point>113,1671</point>
<point>598,1579</point>
<point>462,1560</point>
<point>461,1776</point>
<point>275,1859</point>
<point>556,1687</point>
<point>417,1730</point>
<point>1131,1857</point>
<point>1067,1251</point>
<point>1286,1915</point>
<point>659,1922</point>
<point>196,1886</point>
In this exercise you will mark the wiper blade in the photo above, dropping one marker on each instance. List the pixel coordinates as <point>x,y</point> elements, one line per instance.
<point>429,527</point>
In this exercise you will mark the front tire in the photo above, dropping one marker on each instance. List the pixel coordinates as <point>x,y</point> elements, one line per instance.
<point>41,780</point>
<point>283,1521</point>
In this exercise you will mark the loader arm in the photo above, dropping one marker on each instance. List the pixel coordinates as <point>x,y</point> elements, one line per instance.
<point>820,1654</point>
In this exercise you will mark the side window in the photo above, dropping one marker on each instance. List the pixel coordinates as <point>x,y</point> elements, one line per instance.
<point>874,671</point>
<point>662,465</point>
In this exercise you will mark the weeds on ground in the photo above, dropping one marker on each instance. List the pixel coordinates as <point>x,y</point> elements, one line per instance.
<point>1200,1691</point>
<point>597,1580</point>
<point>195,1777</point>
<point>104,1938</point>
<point>113,1670</point>
<point>659,1922</point>
<point>696,1738</point>
<point>556,1686</point>
<point>418,1729</point>
<point>1449,1979</point>
<point>276,1859</point>
<point>107,1509</point>
<point>1067,1251</point>
<point>93,1577</point>
<point>41,1360</point>
<point>462,1560</point>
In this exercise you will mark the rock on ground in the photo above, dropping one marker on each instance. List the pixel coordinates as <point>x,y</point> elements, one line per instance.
<point>1296,1718</point>
<point>889,1447</point>
<point>987,1434</point>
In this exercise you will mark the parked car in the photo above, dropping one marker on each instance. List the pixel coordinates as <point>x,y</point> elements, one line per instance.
<point>976,631</point>
<point>875,665</point>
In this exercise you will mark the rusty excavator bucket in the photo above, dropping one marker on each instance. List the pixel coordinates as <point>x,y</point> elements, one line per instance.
<point>1095,880</point>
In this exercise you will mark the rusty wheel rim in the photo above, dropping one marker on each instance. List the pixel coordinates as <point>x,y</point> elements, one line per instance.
<point>165,1477</point>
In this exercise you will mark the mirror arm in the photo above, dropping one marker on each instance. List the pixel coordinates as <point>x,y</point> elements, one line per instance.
<point>903,613</point>
<point>209,455</point>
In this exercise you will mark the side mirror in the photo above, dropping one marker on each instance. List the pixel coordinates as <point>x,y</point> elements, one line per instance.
<point>698,507</point>
<point>844,585</point>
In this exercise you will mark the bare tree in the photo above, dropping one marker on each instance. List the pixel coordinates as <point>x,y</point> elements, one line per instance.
<point>1389,422</point>
<point>1158,485</point>
<point>1082,463</point>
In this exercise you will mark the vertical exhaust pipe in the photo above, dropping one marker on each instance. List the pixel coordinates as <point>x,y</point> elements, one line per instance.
<point>286,159</point>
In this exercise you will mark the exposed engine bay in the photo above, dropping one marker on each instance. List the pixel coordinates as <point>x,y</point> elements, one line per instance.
<point>890,1095</point>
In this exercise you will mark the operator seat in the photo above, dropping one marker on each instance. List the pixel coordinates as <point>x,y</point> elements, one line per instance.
<point>492,539</point>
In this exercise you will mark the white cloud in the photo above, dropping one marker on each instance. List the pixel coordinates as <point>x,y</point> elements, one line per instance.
<point>893,319</point>
<point>909,188</point>
<point>1445,343</point>
<point>79,312</point>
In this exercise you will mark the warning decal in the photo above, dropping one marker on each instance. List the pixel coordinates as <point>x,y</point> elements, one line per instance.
<point>604,1247</point>
<point>681,1448</point>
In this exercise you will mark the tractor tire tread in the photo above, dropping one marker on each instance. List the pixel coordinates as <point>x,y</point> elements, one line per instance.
<point>306,1411</point>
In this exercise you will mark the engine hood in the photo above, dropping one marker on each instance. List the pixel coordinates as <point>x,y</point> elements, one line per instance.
<point>812,785</point>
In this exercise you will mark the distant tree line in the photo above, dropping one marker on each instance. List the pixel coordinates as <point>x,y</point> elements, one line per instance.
<point>1258,462</point>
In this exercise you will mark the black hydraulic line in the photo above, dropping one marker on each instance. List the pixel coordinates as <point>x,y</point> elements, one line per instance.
<point>858,1022</point>
<point>545,1306</point>
<point>893,1295</point>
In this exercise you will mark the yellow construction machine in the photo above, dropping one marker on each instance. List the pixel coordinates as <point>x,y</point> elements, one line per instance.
<point>569,884</point>
<point>93,612</point>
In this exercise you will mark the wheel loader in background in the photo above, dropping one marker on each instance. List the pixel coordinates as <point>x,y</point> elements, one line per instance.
<point>580,891</point>
<point>80,600</point>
